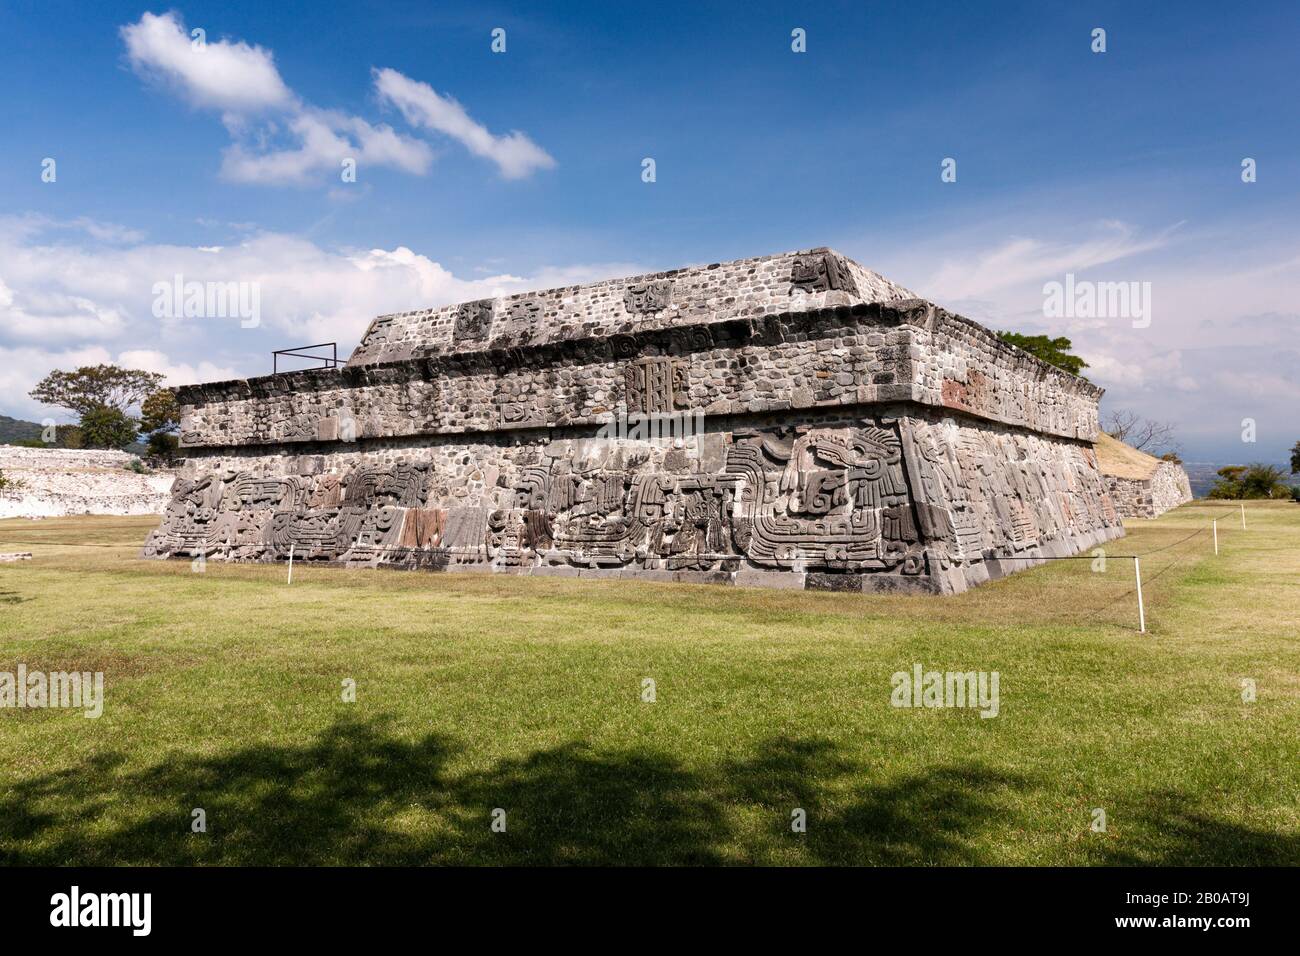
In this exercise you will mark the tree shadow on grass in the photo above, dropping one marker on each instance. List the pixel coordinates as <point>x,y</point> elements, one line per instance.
<point>356,794</point>
<point>935,816</point>
<point>1182,834</point>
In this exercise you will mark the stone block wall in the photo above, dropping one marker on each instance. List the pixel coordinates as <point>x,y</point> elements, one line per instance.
<point>722,291</point>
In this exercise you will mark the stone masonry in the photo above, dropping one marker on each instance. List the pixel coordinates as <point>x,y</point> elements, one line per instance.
<point>791,420</point>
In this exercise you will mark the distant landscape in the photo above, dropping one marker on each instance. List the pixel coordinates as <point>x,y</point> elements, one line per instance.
<point>15,429</point>
<point>1202,474</point>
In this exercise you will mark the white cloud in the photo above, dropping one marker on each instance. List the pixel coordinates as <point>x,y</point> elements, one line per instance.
<point>515,154</point>
<point>1020,260</point>
<point>177,373</point>
<point>1115,371</point>
<point>1259,385</point>
<point>324,140</point>
<point>22,367</point>
<point>278,138</point>
<point>221,74</point>
<point>48,315</point>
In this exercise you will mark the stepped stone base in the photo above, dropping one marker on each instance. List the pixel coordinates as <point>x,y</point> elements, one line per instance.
<point>1140,485</point>
<point>897,501</point>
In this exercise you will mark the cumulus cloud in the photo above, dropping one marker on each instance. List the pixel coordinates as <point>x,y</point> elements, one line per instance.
<point>22,367</point>
<point>46,315</point>
<point>222,74</point>
<point>515,155</point>
<point>67,299</point>
<point>279,138</point>
<point>175,373</point>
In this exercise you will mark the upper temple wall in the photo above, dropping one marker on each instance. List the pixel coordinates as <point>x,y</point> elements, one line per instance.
<point>833,357</point>
<point>745,288</point>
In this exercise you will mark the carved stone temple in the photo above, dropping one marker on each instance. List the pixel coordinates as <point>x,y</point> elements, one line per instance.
<point>792,420</point>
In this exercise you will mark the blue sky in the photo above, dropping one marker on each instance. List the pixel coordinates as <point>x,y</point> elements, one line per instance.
<point>1118,166</point>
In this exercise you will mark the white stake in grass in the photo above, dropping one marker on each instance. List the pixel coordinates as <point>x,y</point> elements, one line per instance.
<point>1243,516</point>
<point>291,564</point>
<point>1142,614</point>
<point>1215,523</point>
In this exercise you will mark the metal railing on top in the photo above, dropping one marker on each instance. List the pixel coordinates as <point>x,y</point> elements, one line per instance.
<point>301,351</point>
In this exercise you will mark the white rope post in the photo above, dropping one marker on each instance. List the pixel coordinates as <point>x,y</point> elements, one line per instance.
<point>1142,614</point>
<point>291,564</point>
<point>1243,516</point>
<point>1215,522</point>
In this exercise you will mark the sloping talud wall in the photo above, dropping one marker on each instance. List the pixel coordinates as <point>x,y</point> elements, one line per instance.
<point>827,431</point>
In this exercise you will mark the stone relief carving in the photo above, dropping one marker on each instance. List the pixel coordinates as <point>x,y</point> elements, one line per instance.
<point>826,499</point>
<point>865,437</point>
<point>525,310</point>
<point>623,346</point>
<point>473,320</point>
<point>822,273</point>
<point>653,296</point>
<point>654,385</point>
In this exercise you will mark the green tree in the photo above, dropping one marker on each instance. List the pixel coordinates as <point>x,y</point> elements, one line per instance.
<point>96,386</point>
<point>1295,459</point>
<point>1053,351</point>
<point>107,427</point>
<point>65,436</point>
<point>1228,484</point>
<point>69,436</point>
<point>159,412</point>
<point>160,416</point>
<point>1250,481</point>
<point>163,445</point>
<point>101,395</point>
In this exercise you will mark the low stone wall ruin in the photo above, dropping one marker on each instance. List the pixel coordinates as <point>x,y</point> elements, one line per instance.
<point>1167,488</point>
<point>55,482</point>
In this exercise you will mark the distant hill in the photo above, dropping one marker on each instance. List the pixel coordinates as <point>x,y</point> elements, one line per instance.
<point>15,429</point>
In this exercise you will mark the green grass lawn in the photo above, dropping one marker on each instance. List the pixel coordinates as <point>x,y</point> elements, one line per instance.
<point>223,691</point>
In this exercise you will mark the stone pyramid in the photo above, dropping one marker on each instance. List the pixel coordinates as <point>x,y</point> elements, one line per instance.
<point>792,420</point>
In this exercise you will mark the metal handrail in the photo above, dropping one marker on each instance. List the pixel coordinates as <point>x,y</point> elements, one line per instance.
<point>299,351</point>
